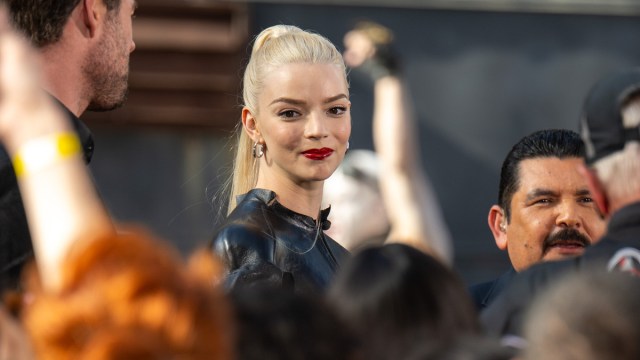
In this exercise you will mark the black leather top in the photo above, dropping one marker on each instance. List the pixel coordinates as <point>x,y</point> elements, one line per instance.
<point>263,242</point>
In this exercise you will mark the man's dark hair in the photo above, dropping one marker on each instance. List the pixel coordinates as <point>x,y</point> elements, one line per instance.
<point>557,143</point>
<point>42,21</point>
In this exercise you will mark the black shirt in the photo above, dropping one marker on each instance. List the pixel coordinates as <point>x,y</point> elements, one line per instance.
<point>484,293</point>
<point>15,240</point>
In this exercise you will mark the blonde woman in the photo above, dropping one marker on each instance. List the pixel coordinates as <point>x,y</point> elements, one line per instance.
<point>295,129</point>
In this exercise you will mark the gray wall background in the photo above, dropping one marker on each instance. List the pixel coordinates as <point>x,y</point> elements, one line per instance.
<point>479,81</point>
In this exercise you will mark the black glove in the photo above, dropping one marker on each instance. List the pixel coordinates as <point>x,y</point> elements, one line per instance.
<point>383,63</point>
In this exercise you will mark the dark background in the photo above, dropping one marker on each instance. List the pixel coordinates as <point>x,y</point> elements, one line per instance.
<point>480,80</point>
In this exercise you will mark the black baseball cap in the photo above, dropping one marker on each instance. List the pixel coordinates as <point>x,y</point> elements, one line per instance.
<point>601,124</point>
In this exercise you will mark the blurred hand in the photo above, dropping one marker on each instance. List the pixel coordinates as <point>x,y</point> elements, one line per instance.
<point>358,48</point>
<point>20,92</point>
<point>368,47</point>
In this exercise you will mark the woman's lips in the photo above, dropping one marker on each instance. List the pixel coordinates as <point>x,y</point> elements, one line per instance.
<point>317,154</point>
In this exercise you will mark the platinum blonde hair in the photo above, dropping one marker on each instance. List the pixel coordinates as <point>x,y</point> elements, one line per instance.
<point>273,47</point>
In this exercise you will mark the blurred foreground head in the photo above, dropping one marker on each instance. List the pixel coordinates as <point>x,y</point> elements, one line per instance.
<point>401,300</point>
<point>587,315</point>
<point>278,324</point>
<point>131,297</point>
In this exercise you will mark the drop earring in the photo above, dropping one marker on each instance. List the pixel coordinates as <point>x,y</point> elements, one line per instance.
<point>258,150</point>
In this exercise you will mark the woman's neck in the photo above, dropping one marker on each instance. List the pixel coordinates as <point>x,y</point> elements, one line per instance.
<point>302,199</point>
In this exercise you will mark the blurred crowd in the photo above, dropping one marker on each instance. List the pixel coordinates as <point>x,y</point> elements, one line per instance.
<point>326,252</point>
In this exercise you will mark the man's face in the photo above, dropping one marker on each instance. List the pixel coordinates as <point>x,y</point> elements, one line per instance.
<point>552,213</point>
<point>107,67</point>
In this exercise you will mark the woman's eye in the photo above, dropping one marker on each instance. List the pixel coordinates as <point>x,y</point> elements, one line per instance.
<point>338,110</point>
<point>288,114</point>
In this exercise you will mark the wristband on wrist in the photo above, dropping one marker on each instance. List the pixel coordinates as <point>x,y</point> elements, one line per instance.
<point>45,151</point>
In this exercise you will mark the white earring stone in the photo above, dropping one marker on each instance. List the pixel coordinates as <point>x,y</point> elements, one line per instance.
<point>258,150</point>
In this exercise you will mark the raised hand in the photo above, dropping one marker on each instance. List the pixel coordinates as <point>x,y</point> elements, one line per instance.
<point>24,106</point>
<point>369,47</point>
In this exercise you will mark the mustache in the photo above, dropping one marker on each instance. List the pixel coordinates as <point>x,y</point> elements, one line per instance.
<point>565,236</point>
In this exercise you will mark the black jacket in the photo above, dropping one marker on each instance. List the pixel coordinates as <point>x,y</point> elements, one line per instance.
<point>262,242</point>
<point>484,293</point>
<point>15,240</point>
<point>619,249</point>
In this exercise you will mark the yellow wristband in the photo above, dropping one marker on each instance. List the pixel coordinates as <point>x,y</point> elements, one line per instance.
<point>45,151</point>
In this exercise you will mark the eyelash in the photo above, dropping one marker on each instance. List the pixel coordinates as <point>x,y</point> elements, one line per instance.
<point>341,110</point>
<point>548,201</point>
<point>334,111</point>
<point>285,114</point>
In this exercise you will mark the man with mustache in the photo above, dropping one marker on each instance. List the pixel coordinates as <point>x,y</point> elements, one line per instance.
<point>610,128</point>
<point>545,210</point>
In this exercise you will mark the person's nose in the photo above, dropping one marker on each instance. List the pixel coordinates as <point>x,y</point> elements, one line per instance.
<point>316,127</point>
<point>132,46</point>
<point>569,215</point>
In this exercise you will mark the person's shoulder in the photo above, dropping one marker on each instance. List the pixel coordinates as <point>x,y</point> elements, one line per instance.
<point>244,235</point>
<point>506,313</point>
<point>339,252</point>
<point>237,233</point>
<point>540,274</point>
<point>526,284</point>
<point>483,293</point>
<point>238,243</point>
<point>479,292</point>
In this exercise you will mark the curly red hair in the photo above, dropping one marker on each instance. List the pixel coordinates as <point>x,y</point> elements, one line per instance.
<point>130,296</point>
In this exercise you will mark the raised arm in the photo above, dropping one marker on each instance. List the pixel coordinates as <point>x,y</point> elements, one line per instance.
<point>411,205</point>
<point>60,200</point>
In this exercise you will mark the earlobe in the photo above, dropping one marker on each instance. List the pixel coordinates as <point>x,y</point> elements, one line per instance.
<point>497,222</point>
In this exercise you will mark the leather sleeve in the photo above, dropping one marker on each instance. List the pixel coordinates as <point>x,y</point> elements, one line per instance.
<point>247,254</point>
<point>239,245</point>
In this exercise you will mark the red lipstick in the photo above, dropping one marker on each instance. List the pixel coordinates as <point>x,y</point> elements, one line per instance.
<point>317,154</point>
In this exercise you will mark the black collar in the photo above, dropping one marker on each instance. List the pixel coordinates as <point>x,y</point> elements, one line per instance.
<point>269,198</point>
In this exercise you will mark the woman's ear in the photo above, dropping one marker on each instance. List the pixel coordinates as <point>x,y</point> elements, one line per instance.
<point>250,125</point>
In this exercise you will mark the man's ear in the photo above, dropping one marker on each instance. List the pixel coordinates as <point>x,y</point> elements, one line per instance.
<point>250,125</point>
<point>595,188</point>
<point>94,13</point>
<point>498,225</point>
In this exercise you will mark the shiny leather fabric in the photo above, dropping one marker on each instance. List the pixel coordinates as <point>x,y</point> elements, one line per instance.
<point>262,242</point>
